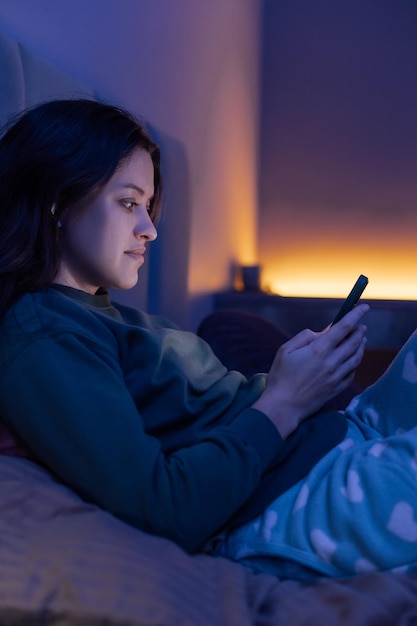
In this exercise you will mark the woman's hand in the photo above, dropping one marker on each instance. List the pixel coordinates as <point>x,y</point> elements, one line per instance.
<point>310,369</point>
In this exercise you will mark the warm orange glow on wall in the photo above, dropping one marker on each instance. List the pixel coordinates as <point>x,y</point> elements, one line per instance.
<point>223,170</point>
<point>331,272</point>
<point>319,251</point>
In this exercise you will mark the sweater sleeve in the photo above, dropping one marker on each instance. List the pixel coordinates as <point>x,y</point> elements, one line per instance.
<point>70,405</point>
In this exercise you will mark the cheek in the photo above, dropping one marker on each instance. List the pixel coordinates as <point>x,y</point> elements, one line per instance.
<point>98,237</point>
<point>78,246</point>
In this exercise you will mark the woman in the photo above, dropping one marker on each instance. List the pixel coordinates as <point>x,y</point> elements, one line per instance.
<point>131,412</point>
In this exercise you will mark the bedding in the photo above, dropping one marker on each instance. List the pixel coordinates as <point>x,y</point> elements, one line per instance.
<point>65,562</point>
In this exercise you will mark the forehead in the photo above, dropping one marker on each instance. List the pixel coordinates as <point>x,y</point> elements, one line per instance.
<point>137,171</point>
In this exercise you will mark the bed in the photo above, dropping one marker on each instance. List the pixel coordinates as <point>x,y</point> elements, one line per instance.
<point>66,562</point>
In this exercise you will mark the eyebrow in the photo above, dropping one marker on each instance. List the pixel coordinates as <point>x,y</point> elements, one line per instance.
<point>135,187</point>
<point>139,190</point>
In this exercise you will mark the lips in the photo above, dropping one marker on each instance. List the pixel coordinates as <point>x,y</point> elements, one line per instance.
<point>136,253</point>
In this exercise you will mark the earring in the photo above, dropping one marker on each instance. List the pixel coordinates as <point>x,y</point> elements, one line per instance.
<point>53,210</point>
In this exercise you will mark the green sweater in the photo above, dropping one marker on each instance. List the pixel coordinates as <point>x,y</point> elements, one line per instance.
<point>136,415</point>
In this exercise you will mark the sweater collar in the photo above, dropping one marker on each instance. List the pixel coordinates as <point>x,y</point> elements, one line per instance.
<point>100,300</point>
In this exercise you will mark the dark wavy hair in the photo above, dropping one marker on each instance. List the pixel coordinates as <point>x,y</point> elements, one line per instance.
<point>54,155</point>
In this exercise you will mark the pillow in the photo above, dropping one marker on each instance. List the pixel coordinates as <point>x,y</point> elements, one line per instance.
<point>66,562</point>
<point>242,341</point>
<point>248,343</point>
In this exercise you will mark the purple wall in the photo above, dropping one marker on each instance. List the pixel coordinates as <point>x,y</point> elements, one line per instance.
<point>338,157</point>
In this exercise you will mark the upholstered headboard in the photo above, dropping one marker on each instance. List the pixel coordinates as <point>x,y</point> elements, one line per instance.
<point>26,80</point>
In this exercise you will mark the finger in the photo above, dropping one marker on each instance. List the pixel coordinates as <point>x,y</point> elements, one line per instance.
<point>304,338</point>
<point>346,325</point>
<point>348,347</point>
<point>352,362</point>
<point>345,383</point>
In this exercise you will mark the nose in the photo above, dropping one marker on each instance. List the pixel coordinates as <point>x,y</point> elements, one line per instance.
<point>145,228</point>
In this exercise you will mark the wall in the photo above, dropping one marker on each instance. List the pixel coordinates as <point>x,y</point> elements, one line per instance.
<point>189,67</point>
<point>338,150</point>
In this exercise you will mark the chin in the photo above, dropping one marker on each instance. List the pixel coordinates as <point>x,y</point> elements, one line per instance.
<point>127,284</point>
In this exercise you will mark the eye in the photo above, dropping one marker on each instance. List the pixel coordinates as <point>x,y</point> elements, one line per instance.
<point>129,204</point>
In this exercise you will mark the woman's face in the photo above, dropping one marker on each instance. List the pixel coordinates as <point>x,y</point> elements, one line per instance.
<point>103,240</point>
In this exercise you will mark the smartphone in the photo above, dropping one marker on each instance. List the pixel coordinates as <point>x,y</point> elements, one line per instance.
<point>352,298</point>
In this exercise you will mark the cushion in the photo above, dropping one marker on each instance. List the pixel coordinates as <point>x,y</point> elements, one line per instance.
<point>248,343</point>
<point>64,561</point>
<point>242,341</point>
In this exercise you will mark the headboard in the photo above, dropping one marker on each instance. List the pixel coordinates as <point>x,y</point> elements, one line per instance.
<point>26,80</point>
